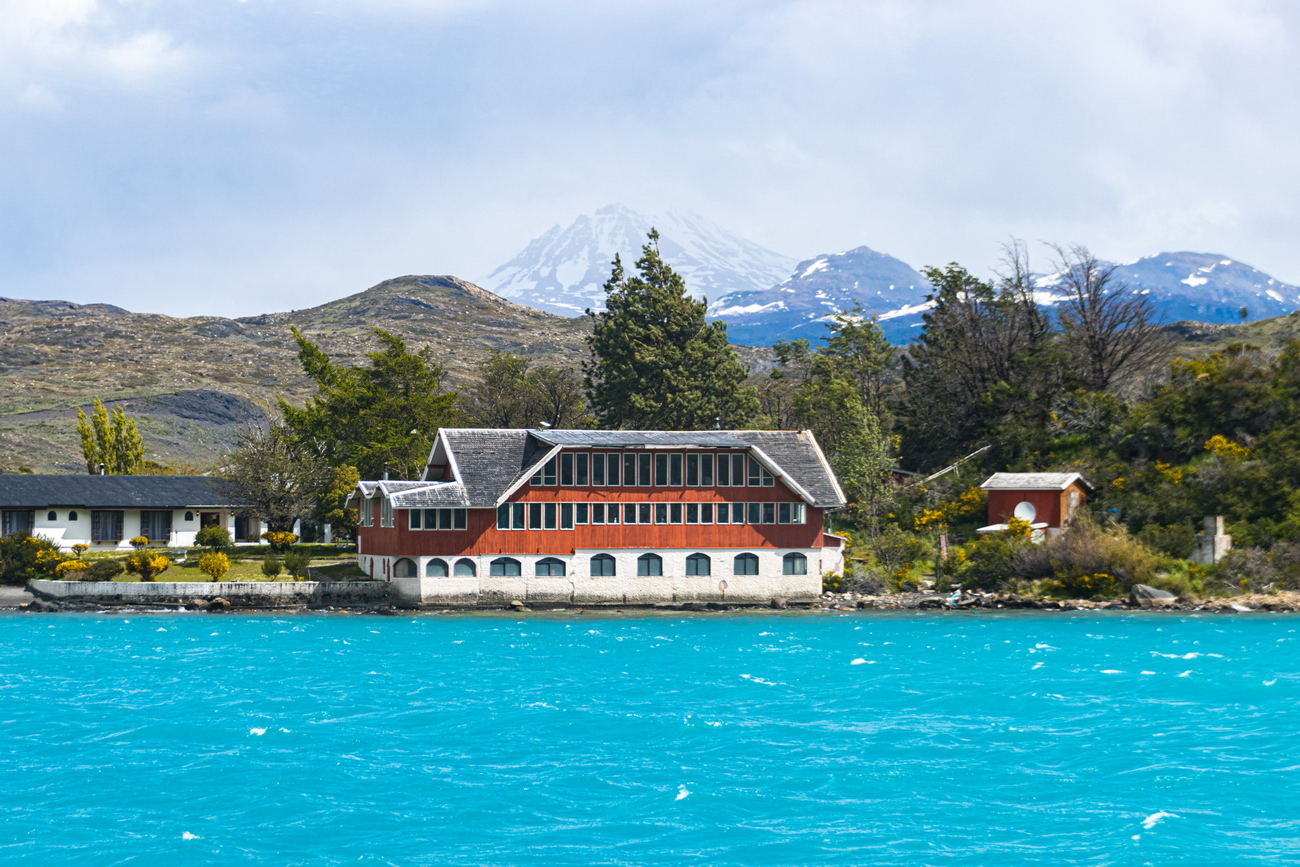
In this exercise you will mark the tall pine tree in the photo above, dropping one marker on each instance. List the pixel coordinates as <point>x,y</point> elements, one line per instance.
<point>655,363</point>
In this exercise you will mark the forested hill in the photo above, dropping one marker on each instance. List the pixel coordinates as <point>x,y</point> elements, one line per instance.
<point>194,383</point>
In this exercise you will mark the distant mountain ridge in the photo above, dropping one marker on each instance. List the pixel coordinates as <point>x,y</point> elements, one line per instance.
<point>801,304</point>
<point>764,296</point>
<point>563,271</point>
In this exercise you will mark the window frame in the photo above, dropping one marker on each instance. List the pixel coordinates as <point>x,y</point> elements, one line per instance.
<point>505,564</point>
<point>550,564</point>
<point>693,562</point>
<point>644,564</point>
<point>747,558</point>
<point>792,559</point>
<point>602,559</point>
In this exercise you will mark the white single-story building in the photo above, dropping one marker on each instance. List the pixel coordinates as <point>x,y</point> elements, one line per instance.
<point>106,512</point>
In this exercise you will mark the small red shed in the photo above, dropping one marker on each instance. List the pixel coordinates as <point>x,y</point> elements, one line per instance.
<point>1046,500</point>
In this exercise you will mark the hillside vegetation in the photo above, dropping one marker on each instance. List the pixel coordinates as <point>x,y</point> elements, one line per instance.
<point>194,383</point>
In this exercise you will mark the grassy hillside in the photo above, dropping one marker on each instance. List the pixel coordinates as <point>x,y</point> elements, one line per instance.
<point>194,383</point>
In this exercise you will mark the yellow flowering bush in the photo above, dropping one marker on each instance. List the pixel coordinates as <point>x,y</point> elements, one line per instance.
<point>147,564</point>
<point>279,540</point>
<point>70,567</point>
<point>214,564</point>
<point>1222,447</point>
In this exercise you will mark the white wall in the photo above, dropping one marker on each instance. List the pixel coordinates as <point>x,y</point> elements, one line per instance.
<point>624,587</point>
<point>65,532</point>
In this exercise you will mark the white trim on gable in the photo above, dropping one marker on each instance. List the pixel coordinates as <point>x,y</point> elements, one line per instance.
<point>528,474</point>
<point>781,474</point>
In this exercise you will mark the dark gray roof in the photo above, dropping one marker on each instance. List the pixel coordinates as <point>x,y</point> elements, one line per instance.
<point>112,492</point>
<point>797,453</point>
<point>490,461</point>
<point>631,438</point>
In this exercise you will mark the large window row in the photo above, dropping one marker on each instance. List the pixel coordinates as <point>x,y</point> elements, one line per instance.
<point>566,516</point>
<point>646,469</point>
<point>437,519</point>
<point>647,565</point>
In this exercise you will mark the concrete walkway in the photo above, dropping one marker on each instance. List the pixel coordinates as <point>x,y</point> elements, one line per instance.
<point>12,597</point>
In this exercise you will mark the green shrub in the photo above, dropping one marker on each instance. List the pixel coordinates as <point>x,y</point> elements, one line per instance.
<point>24,557</point>
<point>215,537</point>
<point>104,570</point>
<point>990,561</point>
<point>1259,570</point>
<point>1176,540</point>
<point>271,567</point>
<point>1091,559</point>
<point>296,563</point>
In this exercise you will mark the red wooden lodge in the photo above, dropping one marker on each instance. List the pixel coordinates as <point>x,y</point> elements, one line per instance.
<point>605,516</point>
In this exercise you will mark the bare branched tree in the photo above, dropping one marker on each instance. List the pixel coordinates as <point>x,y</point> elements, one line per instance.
<point>275,476</point>
<point>1113,333</point>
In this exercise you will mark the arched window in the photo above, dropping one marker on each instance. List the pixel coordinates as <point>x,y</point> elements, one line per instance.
<point>404,568</point>
<point>72,516</point>
<point>189,516</point>
<point>52,516</point>
<point>794,564</point>
<point>602,566</point>
<point>435,568</point>
<point>549,567</point>
<point>649,564</point>
<point>699,564</point>
<point>746,564</point>
<point>505,566</point>
<point>464,568</point>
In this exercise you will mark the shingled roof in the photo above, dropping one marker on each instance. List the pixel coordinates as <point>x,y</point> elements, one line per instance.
<point>112,492</point>
<point>1033,481</point>
<point>487,463</point>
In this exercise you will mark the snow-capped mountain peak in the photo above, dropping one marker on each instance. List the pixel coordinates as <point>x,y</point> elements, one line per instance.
<point>564,270</point>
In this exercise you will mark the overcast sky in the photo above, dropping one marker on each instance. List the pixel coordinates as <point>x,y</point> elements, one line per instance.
<point>235,158</point>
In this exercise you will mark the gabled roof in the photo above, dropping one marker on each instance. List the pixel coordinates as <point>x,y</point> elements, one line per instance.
<point>420,495</point>
<point>112,492</point>
<point>1033,481</point>
<point>488,464</point>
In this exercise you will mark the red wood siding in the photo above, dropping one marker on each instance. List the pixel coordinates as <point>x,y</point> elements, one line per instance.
<point>1051,505</point>
<point>482,537</point>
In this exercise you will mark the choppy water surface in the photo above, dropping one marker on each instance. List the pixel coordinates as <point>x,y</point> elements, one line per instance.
<point>983,739</point>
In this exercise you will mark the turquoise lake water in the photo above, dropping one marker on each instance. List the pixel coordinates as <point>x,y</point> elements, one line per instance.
<point>832,739</point>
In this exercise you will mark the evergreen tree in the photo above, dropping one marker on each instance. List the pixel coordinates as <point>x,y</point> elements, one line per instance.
<point>655,363</point>
<point>378,418</point>
<point>110,442</point>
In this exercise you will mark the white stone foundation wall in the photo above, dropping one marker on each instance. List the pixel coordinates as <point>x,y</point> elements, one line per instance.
<point>253,594</point>
<point>625,587</point>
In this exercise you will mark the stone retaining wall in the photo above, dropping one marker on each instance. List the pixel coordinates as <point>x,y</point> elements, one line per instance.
<point>240,594</point>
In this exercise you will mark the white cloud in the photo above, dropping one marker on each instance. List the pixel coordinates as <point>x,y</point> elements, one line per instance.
<point>49,43</point>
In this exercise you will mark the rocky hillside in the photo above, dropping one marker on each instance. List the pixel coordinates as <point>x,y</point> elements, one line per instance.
<point>194,383</point>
